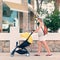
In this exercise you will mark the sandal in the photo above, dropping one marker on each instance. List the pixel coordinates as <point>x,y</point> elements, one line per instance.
<point>36,55</point>
<point>49,55</point>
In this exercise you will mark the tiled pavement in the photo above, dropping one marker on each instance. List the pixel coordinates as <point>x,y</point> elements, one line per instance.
<point>6,56</point>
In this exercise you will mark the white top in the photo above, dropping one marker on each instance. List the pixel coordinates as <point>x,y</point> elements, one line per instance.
<point>41,33</point>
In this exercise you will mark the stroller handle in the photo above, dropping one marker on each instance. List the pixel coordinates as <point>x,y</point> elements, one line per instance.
<point>32,31</point>
<point>27,38</point>
<point>30,34</point>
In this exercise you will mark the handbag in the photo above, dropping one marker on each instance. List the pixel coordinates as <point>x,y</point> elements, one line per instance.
<point>45,30</point>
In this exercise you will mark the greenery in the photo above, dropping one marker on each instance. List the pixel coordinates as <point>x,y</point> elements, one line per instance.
<point>53,21</point>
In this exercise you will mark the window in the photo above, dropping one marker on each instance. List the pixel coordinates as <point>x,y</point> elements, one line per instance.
<point>29,1</point>
<point>8,18</point>
<point>6,10</point>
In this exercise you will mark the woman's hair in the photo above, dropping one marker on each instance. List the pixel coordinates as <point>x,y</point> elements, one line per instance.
<point>40,19</point>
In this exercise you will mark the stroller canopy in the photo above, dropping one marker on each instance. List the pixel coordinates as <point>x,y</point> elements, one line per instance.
<point>26,35</point>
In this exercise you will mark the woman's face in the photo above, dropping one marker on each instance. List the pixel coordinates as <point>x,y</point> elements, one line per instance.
<point>39,20</point>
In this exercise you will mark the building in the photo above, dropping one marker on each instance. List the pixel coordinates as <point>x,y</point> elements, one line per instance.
<point>0,15</point>
<point>17,13</point>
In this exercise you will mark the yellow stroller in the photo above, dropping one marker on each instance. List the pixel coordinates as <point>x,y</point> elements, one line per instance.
<point>23,45</point>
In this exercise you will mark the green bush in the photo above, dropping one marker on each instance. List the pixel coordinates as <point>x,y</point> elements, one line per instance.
<point>53,21</point>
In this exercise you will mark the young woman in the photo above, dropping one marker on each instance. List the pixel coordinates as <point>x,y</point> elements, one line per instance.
<point>41,38</point>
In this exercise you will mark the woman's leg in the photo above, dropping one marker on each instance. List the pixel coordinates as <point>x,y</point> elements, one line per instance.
<point>46,46</point>
<point>39,48</point>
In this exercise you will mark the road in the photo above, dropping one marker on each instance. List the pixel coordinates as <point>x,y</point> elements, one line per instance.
<point>6,56</point>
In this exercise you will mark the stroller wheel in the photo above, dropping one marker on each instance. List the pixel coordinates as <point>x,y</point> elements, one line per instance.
<point>27,54</point>
<point>11,55</point>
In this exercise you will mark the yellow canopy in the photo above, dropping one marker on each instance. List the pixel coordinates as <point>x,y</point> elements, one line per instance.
<point>26,35</point>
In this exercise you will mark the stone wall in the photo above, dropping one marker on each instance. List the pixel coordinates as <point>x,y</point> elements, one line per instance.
<point>4,46</point>
<point>54,46</point>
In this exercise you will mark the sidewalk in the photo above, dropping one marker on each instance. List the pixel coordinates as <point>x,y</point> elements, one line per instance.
<point>6,56</point>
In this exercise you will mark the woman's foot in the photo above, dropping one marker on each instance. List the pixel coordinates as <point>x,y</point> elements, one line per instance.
<point>49,55</point>
<point>37,55</point>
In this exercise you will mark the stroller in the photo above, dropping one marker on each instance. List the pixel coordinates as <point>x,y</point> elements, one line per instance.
<point>22,47</point>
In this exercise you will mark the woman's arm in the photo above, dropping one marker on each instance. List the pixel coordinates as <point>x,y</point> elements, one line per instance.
<point>38,27</point>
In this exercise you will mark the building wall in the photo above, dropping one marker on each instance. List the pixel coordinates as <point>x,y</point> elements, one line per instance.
<point>0,15</point>
<point>23,17</point>
<point>29,22</point>
<point>32,3</point>
<point>31,16</point>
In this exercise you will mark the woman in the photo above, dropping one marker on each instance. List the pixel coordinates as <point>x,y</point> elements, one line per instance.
<point>41,38</point>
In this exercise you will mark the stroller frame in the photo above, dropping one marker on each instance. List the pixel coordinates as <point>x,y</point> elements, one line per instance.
<point>22,47</point>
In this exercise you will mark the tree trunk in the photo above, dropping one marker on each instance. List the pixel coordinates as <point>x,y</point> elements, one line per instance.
<point>57,3</point>
<point>38,8</point>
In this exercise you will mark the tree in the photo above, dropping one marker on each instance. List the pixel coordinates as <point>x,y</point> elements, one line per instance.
<point>53,21</point>
<point>39,5</point>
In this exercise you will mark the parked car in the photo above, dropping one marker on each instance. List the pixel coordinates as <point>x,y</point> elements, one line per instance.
<point>6,27</point>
